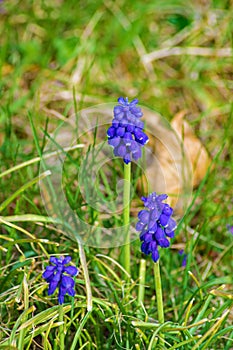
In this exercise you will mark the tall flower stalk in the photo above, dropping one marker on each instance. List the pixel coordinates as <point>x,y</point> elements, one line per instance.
<point>156,226</point>
<point>126,215</point>
<point>126,136</point>
<point>60,276</point>
<point>159,295</point>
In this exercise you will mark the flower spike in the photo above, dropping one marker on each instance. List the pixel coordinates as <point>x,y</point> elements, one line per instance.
<point>126,134</point>
<point>60,276</point>
<point>155,224</point>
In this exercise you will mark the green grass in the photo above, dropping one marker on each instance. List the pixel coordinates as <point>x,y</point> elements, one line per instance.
<point>57,58</point>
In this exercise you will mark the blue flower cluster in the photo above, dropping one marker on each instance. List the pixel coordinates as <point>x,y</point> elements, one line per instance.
<point>184,257</point>
<point>155,224</point>
<point>57,276</point>
<point>126,134</point>
<point>230,229</point>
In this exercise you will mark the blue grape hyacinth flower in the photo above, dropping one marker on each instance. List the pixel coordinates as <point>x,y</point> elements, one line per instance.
<point>126,134</point>
<point>60,276</point>
<point>184,257</point>
<point>155,224</point>
<point>230,228</point>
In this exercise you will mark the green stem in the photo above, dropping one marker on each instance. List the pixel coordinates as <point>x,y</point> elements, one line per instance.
<point>126,216</point>
<point>159,295</point>
<point>61,328</point>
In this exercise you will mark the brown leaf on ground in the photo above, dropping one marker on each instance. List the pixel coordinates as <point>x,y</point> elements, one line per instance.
<point>168,169</point>
<point>177,162</point>
<point>195,150</point>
